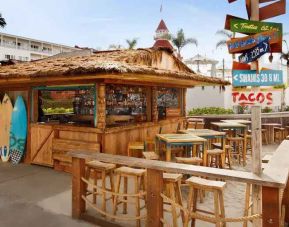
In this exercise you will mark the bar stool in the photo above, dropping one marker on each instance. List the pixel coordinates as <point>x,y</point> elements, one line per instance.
<point>215,187</point>
<point>264,135</point>
<point>104,169</point>
<point>138,176</point>
<point>215,158</point>
<point>135,146</point>
<point>172,183</point>
<point>228,154</point>
<point>279,134</point>
<point>237,143</point>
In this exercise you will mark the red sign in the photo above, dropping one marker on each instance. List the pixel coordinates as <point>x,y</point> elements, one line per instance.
<point>252,98</point>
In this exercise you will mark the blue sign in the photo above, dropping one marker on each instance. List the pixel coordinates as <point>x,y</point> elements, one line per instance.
<point>251,78</point>
<point>256,52</point>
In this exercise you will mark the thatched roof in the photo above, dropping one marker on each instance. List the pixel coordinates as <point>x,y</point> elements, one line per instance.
<point>125,63</point>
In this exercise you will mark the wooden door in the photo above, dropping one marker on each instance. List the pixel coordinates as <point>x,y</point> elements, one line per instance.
<point>41,145</point>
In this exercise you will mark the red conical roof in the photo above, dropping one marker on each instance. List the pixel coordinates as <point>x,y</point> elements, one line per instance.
<point>163,44</point>
<point>162,26</point>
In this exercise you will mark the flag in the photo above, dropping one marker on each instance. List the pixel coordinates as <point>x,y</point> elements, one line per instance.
<point>161,9</point>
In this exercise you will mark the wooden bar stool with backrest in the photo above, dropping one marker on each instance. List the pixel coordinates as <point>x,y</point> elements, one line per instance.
<point>137,147</point>
<point>237,144</point>
<point>279,134</point>
<point>172,183</point>
<point>138,176</point>
<point>93,168</point>
<point>217,188</point>
<point>264,135</point>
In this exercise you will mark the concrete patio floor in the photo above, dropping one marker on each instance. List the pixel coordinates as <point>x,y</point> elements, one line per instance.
<point>38,196</point>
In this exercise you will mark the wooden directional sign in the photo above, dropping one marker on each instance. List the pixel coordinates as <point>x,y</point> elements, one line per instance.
<point>252,78</point>
<point>239,45</point>
<point>254,27</point>
<point>256,52</point>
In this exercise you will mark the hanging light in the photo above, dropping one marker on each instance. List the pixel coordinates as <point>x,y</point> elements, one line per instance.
<point>271,58</point>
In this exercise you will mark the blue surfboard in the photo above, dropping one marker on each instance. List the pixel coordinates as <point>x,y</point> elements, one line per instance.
<point>18,131</point>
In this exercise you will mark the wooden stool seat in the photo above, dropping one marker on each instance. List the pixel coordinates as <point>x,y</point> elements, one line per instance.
<point>151,155</point>
<point>279,134</point>
<point>172,177</point>
<point>287,138</point>
<point>128,171</point>
<point>219,146</point>
<point>266,158</point>
<point>205,184</point>
<point>215,152</point>
<point>100,165</point>
<point>190,161</point>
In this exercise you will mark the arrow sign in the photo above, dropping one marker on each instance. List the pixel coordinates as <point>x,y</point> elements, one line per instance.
<point>251,78</point>
<point>253,27</point>
<point>256,52</point>
<point>238,45</point>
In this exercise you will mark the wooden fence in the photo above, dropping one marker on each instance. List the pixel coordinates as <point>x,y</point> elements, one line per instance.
<point>273,181</point>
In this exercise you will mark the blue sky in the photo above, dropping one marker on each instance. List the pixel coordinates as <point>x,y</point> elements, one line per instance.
<point>99,23</point>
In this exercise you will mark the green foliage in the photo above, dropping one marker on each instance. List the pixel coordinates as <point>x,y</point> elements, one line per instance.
<point>267,110</point>
<point>2,21</point>
<point>180,40</point>
<point>210,110</point>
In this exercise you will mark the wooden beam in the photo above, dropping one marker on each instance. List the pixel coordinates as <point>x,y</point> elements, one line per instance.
<point>155,112</point>
<point>78,187</point>
<point>271,207</point>
<point>154,199</point>
<point>101,106</point>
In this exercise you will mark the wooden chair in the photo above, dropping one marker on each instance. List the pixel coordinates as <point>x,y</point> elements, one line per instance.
<point>279,134</point>
<point>138,176</point>
<point>172,183</point>
<point>216,187</point>
<point>93,168</point>
<point>137,147</point>
<point>215,158</point>
<point>237,144</point>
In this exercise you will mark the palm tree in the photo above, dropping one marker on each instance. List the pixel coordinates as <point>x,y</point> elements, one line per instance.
<point>2,21</point>
<point>115,47</point>
<point>131,43</point>
<point>223,42</point>
<point>180,41</point>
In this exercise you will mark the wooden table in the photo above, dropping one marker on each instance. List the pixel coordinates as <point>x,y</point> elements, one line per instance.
<point>270,130</point>
<point>208,134</point>
<point>171,140</point>
<point>234,126</point>
<point>239,121</point>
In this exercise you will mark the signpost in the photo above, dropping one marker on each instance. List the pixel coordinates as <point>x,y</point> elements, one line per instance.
<point>243,78</point>
<point>252,27</point>
<point>238,45</point>
<point>255,53</point>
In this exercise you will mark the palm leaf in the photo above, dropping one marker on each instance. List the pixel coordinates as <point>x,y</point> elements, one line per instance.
<point>2,21</point>
<point>225,33</point>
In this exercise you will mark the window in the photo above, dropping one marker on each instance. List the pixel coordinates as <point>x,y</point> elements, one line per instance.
<point>9,57</point>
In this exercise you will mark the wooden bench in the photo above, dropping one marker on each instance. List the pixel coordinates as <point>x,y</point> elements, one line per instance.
<point>60,147</point>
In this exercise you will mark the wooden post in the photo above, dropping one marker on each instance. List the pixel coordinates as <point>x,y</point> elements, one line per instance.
<point>101,106</point>
<point>78,187</point>
<point>154,199</point>
<point>184,102</point>
<point>256,133</point>
<point>271,207</point>
<point>155,112</point>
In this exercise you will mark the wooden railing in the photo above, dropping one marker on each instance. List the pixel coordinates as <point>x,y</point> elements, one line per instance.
<point>273,181</point>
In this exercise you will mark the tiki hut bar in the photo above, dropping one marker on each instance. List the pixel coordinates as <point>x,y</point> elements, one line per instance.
<point>99,102</point>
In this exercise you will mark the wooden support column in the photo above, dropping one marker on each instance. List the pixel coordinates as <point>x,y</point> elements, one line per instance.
<point>155,113</point>
<point>27,158</point>
<point>34,114</point>
<point>184,102</point>
<point>101,106</point>
<point>154,199</point>
<point>271,207</point>
<point>78,187</point>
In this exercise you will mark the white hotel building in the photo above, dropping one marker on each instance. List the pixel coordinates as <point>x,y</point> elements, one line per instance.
<point>19,48</point>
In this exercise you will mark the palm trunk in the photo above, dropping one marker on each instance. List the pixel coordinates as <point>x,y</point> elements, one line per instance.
<point>283,104</point>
